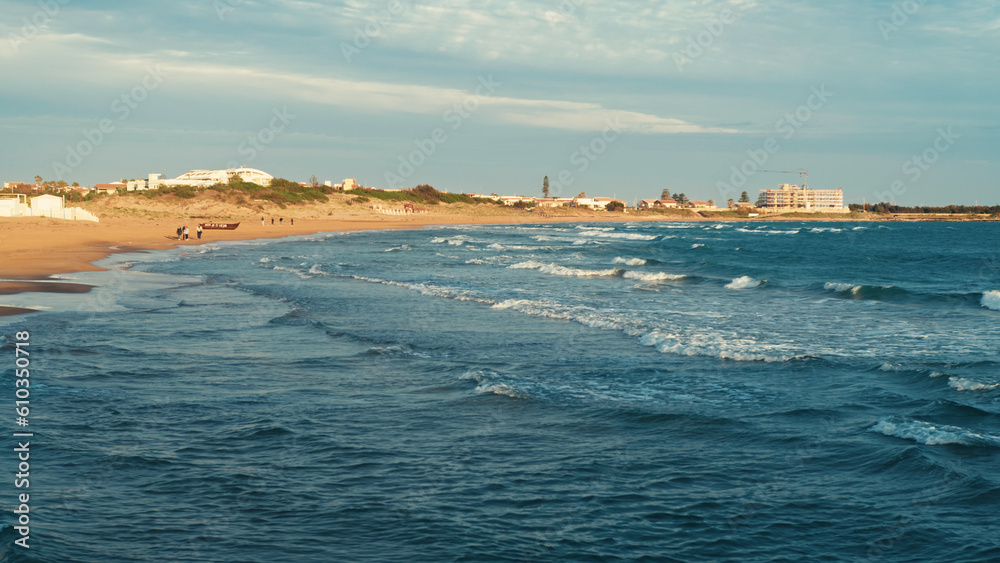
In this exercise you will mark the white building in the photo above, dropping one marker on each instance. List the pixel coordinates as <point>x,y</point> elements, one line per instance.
<point>789,197</point>
<point>153,182</point>
<point>206,178</point>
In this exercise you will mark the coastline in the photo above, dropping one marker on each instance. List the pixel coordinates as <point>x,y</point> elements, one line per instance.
<point>38,248</point>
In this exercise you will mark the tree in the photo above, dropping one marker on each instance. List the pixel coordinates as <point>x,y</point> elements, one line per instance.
<point>665,195</point>
<point>615,205</point>
<point>744,198</point>
<point>313,181</point>
<point>730,203</point>
<point>582,194</point>
<point>545,187</point>
<point>38,180</point>
<point>681,200</point>
<point>711,203</point>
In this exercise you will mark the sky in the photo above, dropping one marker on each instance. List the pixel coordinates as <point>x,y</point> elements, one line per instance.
<point>891,101</point>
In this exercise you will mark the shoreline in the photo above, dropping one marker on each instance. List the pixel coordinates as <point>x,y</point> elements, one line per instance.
<point>39,248</point>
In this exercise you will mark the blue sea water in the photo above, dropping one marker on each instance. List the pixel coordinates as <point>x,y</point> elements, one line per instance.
<point>558,392</point>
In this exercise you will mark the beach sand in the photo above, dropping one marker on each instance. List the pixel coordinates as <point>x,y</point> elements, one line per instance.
<point>36,248</point>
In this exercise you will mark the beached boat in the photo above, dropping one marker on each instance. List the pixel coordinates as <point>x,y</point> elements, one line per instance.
<point>224,226</point>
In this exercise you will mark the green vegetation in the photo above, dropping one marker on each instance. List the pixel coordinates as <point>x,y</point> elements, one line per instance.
<point>888,208</point>
<point>420,194</point>
<point>615,206</point>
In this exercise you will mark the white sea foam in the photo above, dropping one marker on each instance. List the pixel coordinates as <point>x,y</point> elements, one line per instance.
<point>625,236</point>
<point>264,260</point>
<point>717,346</point>
<point>431,290</point>
<point>697,245</point>
<point>630,261</point>
<point>744,282</point>
<point>557,270</point>
<point>652,276</point>
<point>399,248</point>
<point>841,287</point>
<point>991,300</point>
<point>963,384</point>
<point>931,434</point>
<point>295,271</point>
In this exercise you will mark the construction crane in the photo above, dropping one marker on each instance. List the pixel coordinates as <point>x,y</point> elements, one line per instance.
<point>802,171</point>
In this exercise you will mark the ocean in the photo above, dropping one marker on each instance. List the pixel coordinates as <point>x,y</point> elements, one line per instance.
<point>662,391</point>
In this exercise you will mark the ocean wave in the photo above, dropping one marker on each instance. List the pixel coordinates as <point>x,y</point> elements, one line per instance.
<point>697,245</point>
<point>610,234</point>
<point>300,273</point>
<point>453,241</point>
<point>630,261</point>
<point>557,270</point>
<point>587,316</point>
<point>825,230</point>
<point>430,290</point>
<point>963,384</point>
<point>718,346</point>
<point>652,276</point>
<point>745,282</point>
<point>931,434</point>
<point>991,300</point>
<point>862,291</point>
<point>399,248</point>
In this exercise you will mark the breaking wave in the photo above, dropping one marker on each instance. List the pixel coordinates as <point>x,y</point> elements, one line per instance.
<point>652,276</point>
<point>630,261</point>
<point>744,282</point>
<point>557,270</point>
<point>931,434</point>
<point>991,300</point>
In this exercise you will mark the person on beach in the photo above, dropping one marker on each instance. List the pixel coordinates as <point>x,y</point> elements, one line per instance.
<point>186,232</point>
<point>199,232</point>
<point>261,221</point>
<point>281,220</point>
<point>272,221</point>
<point>179,232</point>
<point>292,219</point>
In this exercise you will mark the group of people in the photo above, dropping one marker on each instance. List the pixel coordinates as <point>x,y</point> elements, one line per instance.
<point>183,232</point>
<point>281,221</point>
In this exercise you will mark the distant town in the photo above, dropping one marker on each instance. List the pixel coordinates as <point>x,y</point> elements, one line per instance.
<point>49,198</point>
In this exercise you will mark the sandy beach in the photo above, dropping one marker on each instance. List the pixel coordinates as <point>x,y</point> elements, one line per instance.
<point>36,248</point>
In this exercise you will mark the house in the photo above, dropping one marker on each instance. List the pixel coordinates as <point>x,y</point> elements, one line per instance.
<point>658,204</point>
<point>513,199</point>
<point>43,204</point>
<point>554,201</point>
<point>701,204</point>
<point>111,189</point>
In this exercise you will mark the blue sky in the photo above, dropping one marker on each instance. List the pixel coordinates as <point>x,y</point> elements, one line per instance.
<point>892,101</point>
